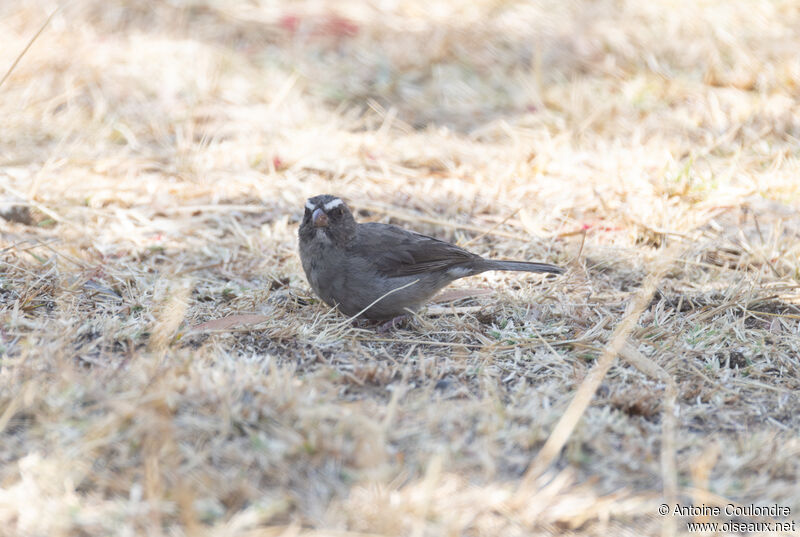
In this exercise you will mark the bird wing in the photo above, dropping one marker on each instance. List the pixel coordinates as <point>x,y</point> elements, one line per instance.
<point>398,252</point>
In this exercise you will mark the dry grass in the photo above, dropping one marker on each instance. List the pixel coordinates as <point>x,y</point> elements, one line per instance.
<point>154,158</point>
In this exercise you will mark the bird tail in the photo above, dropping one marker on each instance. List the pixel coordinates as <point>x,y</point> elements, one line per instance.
<point>522,266</point>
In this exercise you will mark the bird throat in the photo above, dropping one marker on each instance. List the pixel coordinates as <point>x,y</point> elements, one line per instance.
<point>322,234</point>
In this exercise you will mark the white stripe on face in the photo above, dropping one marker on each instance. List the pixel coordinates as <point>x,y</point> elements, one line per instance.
<point>310,206</point>
<point>333,204</point>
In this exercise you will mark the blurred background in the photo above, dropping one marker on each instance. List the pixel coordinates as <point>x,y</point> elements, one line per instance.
<point>480,100</point>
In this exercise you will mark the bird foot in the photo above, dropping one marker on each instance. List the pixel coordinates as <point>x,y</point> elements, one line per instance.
<point>391,324</point>
<point>380,327</point>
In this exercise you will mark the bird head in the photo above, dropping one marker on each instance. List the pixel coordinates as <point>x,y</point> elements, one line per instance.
<point>327,216</point>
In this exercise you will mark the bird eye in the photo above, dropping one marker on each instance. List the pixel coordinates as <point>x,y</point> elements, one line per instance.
<point>307,215</point>
<point>336,211</point>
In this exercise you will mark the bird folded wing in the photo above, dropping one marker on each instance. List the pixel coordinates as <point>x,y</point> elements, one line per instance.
<point>397,252</point>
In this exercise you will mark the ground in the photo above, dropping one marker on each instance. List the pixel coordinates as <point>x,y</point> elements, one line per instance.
<point>166,370</point>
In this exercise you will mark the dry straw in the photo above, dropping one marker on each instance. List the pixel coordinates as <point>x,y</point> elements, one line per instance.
<point>166,370</point>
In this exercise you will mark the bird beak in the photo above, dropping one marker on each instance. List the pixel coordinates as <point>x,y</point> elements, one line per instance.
<point>319,218</point>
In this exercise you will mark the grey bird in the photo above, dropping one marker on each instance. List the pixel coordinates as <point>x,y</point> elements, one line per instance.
<point>379,271</point>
